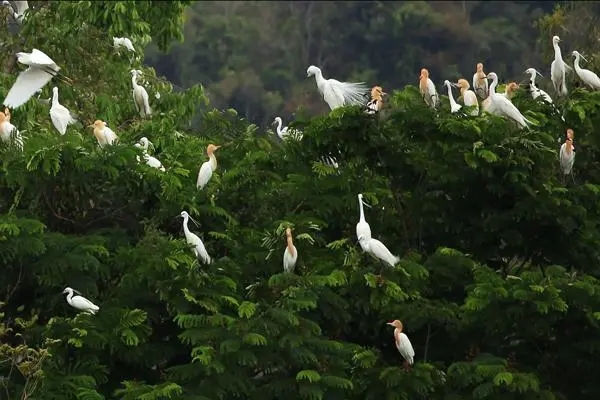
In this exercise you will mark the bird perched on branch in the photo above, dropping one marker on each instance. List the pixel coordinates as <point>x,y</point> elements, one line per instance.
<point>290,255</point>
<point>338,94</point>
<point>61,117</point>
<point>80,302</point>
<point>454,106</point>
<point>480,82</point>
<point>558,69</point>
<point>587,76</point>
<point>207,168</point>
<point>567,153</point>
<point>104,135</point>
<point>427,89</point>
<point>403,343</point>
<point>469,97</point>
<point>376,103</point>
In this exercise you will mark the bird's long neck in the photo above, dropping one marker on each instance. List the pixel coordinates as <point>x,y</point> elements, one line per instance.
<point>134,80</point>
<point>362,211</point>
<point>532,80</point>
<point>576,63</point>
<point>557,52</point>
<point>319,78</point>
<point>290,244</point>
<point>492,88</point>
<point>186,230</point>
<point>69,296</point>
<point>423,83</point>
<point>55,97</point>
<point>569,146</point>
<point>213,160</point>
<point>279,123</point>
<point>450,95</point>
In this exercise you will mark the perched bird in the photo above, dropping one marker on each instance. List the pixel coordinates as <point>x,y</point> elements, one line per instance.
<point>41,70</point>
<point>500,105</point>
<point>378,250</point>
<point>567,153</point>
<point>376,103</point>
<point>338,94</point>
<point>427,89</point>
<point>283,132</point>
<point>80,302</point>
<point>469,97</point>
<point>140,95</point>
<point>363,229</point>
<point>533,89</point>
<point>480,82</point>
<point>153,162</point>
<point>587,76</point>
<point>558,69</point>
<point>104,135</point>
<point>509,90</point>
<point>193,240</point>
<point>119,42</point>
<point>403,343</point>
<point>7,113</point>
<point>60,116</point>
<point>454,106</point>
<point>18,10</point>
<point>290,255</point>
<point>207,168</point>
<point>8,132</point>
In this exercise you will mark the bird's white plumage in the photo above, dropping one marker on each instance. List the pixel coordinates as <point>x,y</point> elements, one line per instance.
<point>378,250</point>
<point>363,229</point>
<point>454,106</point>
<point>206,169</point>
<point>80,302</point>
<point>558,69</point>
<point>588,77</point>
<point>123,42</point>
<point>194,241</point>
<point>290,258</point>
<point>404,346</point>
<point>10,134</point>
<point>283,132</point>
<point>566,159</point>
<point>480,85</point>
<point>104,135</point>
<point>500,105</point>
<point>430,94</point>
<point>18,10</point>
<point>140,95</point>
<point>533,89</point>
<point>61,117</point>
<point>151,161</point>
<point>338,94</point>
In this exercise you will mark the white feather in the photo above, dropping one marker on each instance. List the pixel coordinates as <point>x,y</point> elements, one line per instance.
<point>80,302</point>
<point>566,160</point>
<point>587,76</point>
<point>194,241</point>
<point>338,94</point>
<point>378,250</point>
<point>454,106</point>
<point>140,96</point>
<point>289,259</point>
<point>61,117</point>
<point>404,347</point>
<point>10,134</point>
<point>498,104</point>
<point>123,42</point>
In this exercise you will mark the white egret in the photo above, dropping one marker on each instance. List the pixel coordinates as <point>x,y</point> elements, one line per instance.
<point>290,255</point>
<point>533,89</point>
<point>8,132</point>
<point>376,103</point>
<point>338,94</point>
<point>61,117</point>
<point>41,70</point>
<point>567,153</point>
<point>558,69</point>
<point>403,343</point>
<point>140,95</point>
<point>194,241</point>
<point>500,105</point>
<point>363,229</point>
<point>469,97</point>
<point>104,135</point>
<point>43,101</point>
<point>119,42</point>
<point>509,90</point>
<point>378,250</point>
<point>284,131</point>
<point>18,10</point>
<point>588,77</point>
<point>207,168</point>
<point>427,89</point>
<point>454,106</point>
<point>151,161</point>
<point>80,302</point>
<point>480,82</point>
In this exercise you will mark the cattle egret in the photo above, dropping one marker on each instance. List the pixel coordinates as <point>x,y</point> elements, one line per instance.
<point>140,95</point>
<point>8,132</point>
<point>376,103</point>
<point>558,69</point>
<point>469,97</point>
<point>498,104</point>
<point>533,89</point>
<point>193,240</point>
<point>427,89</point>
<point>104,135</point>
<point>119,42</point>
<point>153,162</point>
<point>480,82</point>
<point>567,153</point>
<point>338,94</point>
<point>60,116</point>
<point>207,168</point>
<point>18,11</point>
<point>41,70</point>
<point>283,131</point>
<point>363,229</point>
<point>403,343</point>
<point>7,113</point>
<point>454,106</point>
<point>509,90</point>
<point>290,255</point>
<point>587,76</point>
<point>80,302</point>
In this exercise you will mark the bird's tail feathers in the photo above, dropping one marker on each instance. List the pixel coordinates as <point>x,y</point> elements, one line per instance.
<point>354,93</point>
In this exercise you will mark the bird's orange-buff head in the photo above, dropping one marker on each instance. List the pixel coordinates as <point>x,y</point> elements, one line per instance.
<point>424,74</point>
<point>570,134</point>
<point>288,232</point>
<point>480,73</point>
<point>463,84</point>
<point>512,86</point>
<point>396,324</point>
<point>99,124</point>
<point>211,148</point>
<point>377,93</point>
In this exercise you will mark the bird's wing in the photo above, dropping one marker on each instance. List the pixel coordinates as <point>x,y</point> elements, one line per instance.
<point>474,80</point>
<point>379,250</point>
<point>289,260</point>
<point>204,174</point>
<point>83,303</point>
<point>347,92</point>
<point>146,101</point>
<point>21,6</point>
<point>127,43</point>
<point>40,58</point>
<point>554,72</point>
<point>406,346</point>
<point>27,84</point>
<point>109,135</point>
<point>60,117</point>
<point>568,67</point>
<point>470,99</point>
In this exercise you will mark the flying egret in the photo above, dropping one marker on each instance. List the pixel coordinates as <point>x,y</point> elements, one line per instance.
<point>533,89</point>
<point>283,131</point>
<point>290,255</point>
<point>427,89</point>
<point>567,153</point>
<point>454,106</point>
<point>558,69</point>
<point>150,160</point>
<point>587,76</point>
<point>403,343</point>
<point>104,135</point>
<point>480,82</point>
<point>469,97</point>
<point>41,70</point>
<point>140,95</point>
<point>509,90</point>
<point>376,103</point>
<point>338,94</point>
<point>18,10</point>
<point>80,302</point>
<point>193,240</point>
<point>60,116</point>
<point>207,168</point>
<point>498,104</point>
<point>119,42</point>
<point>8,132</point>
<point>363,229</point>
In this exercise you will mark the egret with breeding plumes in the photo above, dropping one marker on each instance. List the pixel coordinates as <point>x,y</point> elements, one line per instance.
<point>558,69</point>
<point>283,131</point>
<point>290,255</point>
<point>119,42</point>
<point>480,82</point>
<point>376,103</point>
<point>567,153</point>
<point>151,161</point>
<point>61,117</point>
<point>41,70</point>
<point>454,106</point>
<point>588,77</point>
<point>104,135</point>
<point>18,10</point>
<point>403,344</point>
<point>207,168</point>
<point>469,97</point>
<point>427,89</point>
<point>193,241</point>
<point>8,132</point>
<point>499,105</point>
<point>338,94</point>
<point>363,229</point>
<point>79,302</point>
<point>533,89</point>
<point>140,95</point>
<point>510,89</point>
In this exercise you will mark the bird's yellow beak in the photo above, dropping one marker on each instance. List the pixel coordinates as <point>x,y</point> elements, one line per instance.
<point>90,126</point>
<point>390,323</point>
<point>217,147</point>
